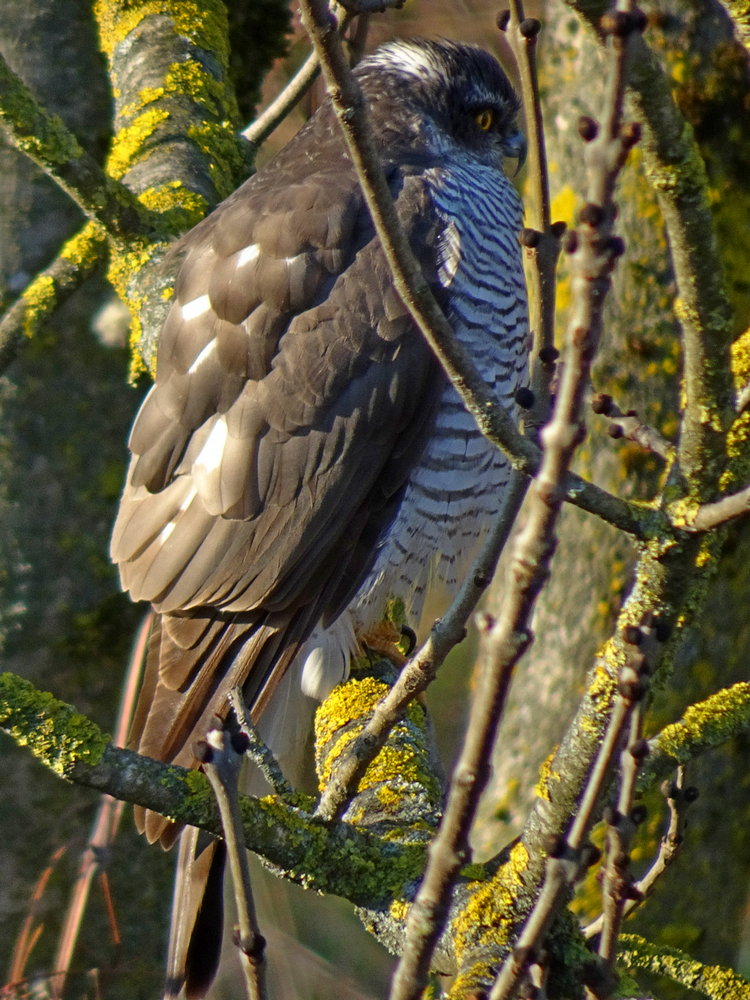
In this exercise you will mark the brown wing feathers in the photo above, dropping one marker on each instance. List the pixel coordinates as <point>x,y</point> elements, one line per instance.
<point>292,397</point>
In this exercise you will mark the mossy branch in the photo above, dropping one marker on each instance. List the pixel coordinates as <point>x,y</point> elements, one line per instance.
<point>79,259</point>
<point>369,864</point>
<point>45,139</point>
<point>739,12</point>
<point>705,725</point>
<point>713,981</point>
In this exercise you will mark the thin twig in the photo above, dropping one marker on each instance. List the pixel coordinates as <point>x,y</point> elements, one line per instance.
<point>450,848</point>
<point>421,669</point>
<point>617,882</point>
<point>711,515</point>
<point>222,767</point>
<point>259,752</point>
<point>542,242</point>
<point>31,931</point>
<point>678,800</point>
<point>630,426</point>
<point>258,131</point>
<point>562,870</point>
<point>106,823</point>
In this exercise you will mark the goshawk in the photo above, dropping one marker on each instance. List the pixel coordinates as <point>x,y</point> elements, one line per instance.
<point>301,457</point>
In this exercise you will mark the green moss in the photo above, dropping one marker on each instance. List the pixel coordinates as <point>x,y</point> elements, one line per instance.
<point>54,732</point>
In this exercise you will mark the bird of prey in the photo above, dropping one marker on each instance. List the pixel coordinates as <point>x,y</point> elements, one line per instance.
<point>301,457</point>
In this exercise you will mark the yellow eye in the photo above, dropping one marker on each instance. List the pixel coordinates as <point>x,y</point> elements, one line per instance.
<point>485,119</point>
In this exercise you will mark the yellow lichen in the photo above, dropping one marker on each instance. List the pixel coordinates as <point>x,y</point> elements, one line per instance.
<point>203,22</point>
<point>707,723</point>
<point>488,917</point>
<point>39,299</point>
<point>129,146</point>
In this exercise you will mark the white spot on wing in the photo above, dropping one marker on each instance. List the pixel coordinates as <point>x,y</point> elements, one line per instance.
<point>207,351</point>
<point>195,308</point>
<point>248,254</point>
<point>210,455</point>
<point>170,525</point>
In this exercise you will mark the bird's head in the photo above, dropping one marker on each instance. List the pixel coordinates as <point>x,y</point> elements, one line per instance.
<point>443,97</point>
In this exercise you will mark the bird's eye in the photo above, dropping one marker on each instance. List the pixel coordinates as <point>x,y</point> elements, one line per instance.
<point>485,119</point>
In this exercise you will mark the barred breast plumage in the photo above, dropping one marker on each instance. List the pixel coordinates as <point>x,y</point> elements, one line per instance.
<point>457,486</point>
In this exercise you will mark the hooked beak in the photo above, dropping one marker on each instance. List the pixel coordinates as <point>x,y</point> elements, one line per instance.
<point>515,148</point>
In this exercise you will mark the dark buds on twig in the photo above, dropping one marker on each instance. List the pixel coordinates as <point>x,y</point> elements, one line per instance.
<point>503,20</point>
<point>530,27</point>
<point>524,397</point>
<point>570,241</point>
<point>549,355</point>
<point>529,238</point>
<point>592,214</point>
<point>620,23</point>
<point>588,128</point>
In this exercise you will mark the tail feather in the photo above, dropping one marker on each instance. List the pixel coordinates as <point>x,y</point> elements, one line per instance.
<point>193,663</point>
<point>197,916</point>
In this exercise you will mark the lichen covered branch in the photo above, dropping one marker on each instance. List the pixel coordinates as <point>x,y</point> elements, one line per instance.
<point>77,260</point>
<point>46,140</point>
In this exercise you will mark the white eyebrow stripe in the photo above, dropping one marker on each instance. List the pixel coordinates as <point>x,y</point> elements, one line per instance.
<point>248,254</point>
<point>207,351</point>
<point>196,307</point>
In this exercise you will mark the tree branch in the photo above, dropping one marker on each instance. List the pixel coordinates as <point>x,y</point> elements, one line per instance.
<point>713,981</point>
<point>74,748</point>
<point>45,139</point>
<point>705,725</point>
<point>78,260</point>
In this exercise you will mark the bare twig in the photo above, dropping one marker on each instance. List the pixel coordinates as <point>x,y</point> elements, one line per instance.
<point>450,848</point>
<point>257,750</point>
<point>678,799</point>
<point>542,241</point>
<point>258,131</point>
<point>711,515</point>
<point>105,826</point>
<point>566,863</point>
<point>421,669</point>
<point>630,426</point>
<point>617,881</point>
<point>31,931</point>
<point>222,766</point>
